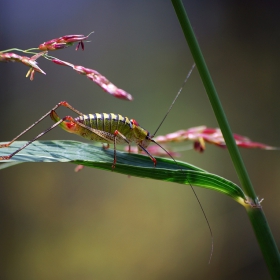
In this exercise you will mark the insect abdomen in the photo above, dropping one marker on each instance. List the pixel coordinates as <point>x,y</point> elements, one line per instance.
<point>106,122</point>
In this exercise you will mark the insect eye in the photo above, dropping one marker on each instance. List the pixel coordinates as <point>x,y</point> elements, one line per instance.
<point>134,122</point>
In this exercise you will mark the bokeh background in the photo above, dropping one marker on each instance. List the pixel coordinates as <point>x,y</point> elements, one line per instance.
<point>58,224</point>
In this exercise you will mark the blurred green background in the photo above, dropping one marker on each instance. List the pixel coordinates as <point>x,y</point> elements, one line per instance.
<point>57,224</point>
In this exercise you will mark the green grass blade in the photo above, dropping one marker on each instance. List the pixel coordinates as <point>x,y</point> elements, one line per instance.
<point>256,215</point>
<point>130,164</point>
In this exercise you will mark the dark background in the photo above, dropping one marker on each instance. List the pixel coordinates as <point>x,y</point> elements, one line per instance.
<point>57,224</point>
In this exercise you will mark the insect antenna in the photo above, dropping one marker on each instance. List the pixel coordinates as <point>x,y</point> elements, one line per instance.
<point>200,205</point>
<point>204,214</point>
<point>174,99</point>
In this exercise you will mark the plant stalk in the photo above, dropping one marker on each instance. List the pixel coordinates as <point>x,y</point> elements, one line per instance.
<point>256,215</point>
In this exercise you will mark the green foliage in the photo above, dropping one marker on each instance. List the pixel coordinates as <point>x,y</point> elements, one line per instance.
<point>130,164</point>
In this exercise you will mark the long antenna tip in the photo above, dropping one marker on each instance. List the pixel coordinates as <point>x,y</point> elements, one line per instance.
<point>177,95</point>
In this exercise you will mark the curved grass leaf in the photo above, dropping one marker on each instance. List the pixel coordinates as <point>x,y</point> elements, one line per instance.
<point>8,164</point>
<point>130,164</point>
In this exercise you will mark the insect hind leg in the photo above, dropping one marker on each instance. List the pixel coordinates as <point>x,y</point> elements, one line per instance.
<point>56,119</point>
<point>31,141</point>
<point>62,103</point>
<point>68,121</point>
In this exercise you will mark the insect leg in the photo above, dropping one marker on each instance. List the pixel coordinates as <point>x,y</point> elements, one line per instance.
<point>62,103</point>
<point>151,157</point>
<point>105,135</point>
<point>117,133</point>
<point>29,142</point>
<point>106,146</point>
<point>72,126</point>
<point>69,121</point>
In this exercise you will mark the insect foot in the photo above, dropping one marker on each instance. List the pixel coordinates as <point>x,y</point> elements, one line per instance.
<point>5,157</point>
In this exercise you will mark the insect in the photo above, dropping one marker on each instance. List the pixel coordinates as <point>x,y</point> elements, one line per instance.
<point>106,128</point>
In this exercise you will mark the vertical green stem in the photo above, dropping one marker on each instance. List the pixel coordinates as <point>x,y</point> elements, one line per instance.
<point>256,215</point>
<point>214,99</point>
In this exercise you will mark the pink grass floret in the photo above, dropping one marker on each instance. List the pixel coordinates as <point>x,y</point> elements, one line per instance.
<point>202,134</point>
<point>97,78</point>
<point>64,42</point>
<point>28,61</point>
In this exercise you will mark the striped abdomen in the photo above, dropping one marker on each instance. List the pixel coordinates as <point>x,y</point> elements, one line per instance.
<point>107,124</point>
